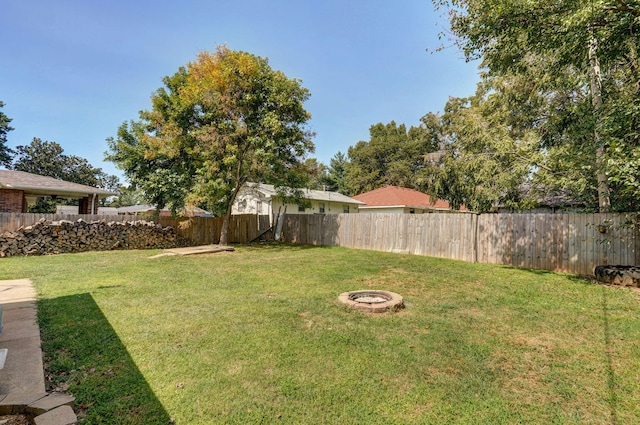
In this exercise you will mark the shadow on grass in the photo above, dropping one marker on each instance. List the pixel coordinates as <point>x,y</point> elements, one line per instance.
<point>608,348</point>
<point>575,278</point>
<point>612,396</point>
<point>279,246</point>
<point>84,357</point>
<point>524,269</point>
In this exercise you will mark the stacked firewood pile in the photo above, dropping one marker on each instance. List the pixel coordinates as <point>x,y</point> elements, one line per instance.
<point>618,275</point>
<point>45,237</point>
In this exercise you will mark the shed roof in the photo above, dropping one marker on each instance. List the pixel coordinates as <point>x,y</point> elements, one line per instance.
<point>130,209</point>
<point>34,184</point>
<point>394,196</point>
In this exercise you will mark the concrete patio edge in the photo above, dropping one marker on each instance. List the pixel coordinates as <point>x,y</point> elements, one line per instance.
<point>22,388</point>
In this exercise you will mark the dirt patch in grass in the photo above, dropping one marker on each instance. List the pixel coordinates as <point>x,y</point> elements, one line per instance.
<point>387,278</point>
<point>472,312</point>
<point>539,343</point>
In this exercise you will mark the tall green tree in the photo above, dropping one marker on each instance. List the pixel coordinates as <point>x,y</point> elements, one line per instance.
<point>331,178</point>
<point>392,156</point>
<point>483,162</point>
<point>336,178</point>
<point>5,152</point>
<point>223,120</point>
<point>317,174</point>
<point>587,51</point>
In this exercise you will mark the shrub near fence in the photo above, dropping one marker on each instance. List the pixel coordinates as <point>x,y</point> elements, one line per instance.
<point>571,243</point>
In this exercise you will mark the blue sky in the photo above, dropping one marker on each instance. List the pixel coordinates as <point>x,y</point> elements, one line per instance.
<point>73,71</point>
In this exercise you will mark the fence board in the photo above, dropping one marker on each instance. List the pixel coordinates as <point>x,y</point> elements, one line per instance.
<point>206,230</point>
<point>588,243</point>
<point>565,242</point>
<point>199,230</point>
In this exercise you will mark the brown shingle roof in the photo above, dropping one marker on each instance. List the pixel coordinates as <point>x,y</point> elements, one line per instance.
<point>41,185</point>
<point>394,196</point>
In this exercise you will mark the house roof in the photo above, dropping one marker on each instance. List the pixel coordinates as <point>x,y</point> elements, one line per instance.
<point>312,195</point>
<point>394,196</point>
<point>137,209</point>
<point>34,184</point>
<point>144,208</point>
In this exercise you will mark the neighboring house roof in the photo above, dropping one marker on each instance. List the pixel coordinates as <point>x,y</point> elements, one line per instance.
<point>312,195</point>
<point>394,196</point>
<point>34,184</point>
<point>557,198</point>
<point>132,209</point>
<point>144,208</point>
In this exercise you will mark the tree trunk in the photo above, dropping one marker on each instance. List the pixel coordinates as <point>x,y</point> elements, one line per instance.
<point>604,202</point>
<point>224,232</point>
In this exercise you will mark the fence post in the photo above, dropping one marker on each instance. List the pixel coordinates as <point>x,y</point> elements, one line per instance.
<point>474,235</point>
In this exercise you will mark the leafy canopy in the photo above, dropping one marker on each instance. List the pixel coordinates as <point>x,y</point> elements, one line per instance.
<point>483,161</point>
<point>392,156</point>
<point>5,152</point>
<point>336,177</point>
<point>223,120</point>
<point>567,72</point>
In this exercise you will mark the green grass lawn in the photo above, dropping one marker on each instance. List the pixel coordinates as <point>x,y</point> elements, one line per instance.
<point>257,336</point>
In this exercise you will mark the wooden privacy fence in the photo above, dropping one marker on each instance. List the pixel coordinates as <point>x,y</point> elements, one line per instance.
<point>573,243</point>
<point>199,230</point>
<point>206,230</point>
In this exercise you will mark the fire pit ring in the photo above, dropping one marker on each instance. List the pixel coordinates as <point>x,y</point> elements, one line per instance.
<point>372,301</point>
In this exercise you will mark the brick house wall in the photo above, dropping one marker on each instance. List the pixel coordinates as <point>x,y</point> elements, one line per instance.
<point>87,204</point>
<point>12,201</point>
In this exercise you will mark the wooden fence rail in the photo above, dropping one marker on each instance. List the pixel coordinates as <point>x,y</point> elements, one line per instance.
<point>573,243</point>
<point>206,230</point>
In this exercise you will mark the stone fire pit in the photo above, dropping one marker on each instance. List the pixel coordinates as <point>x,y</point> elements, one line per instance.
<point>372,301</point>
